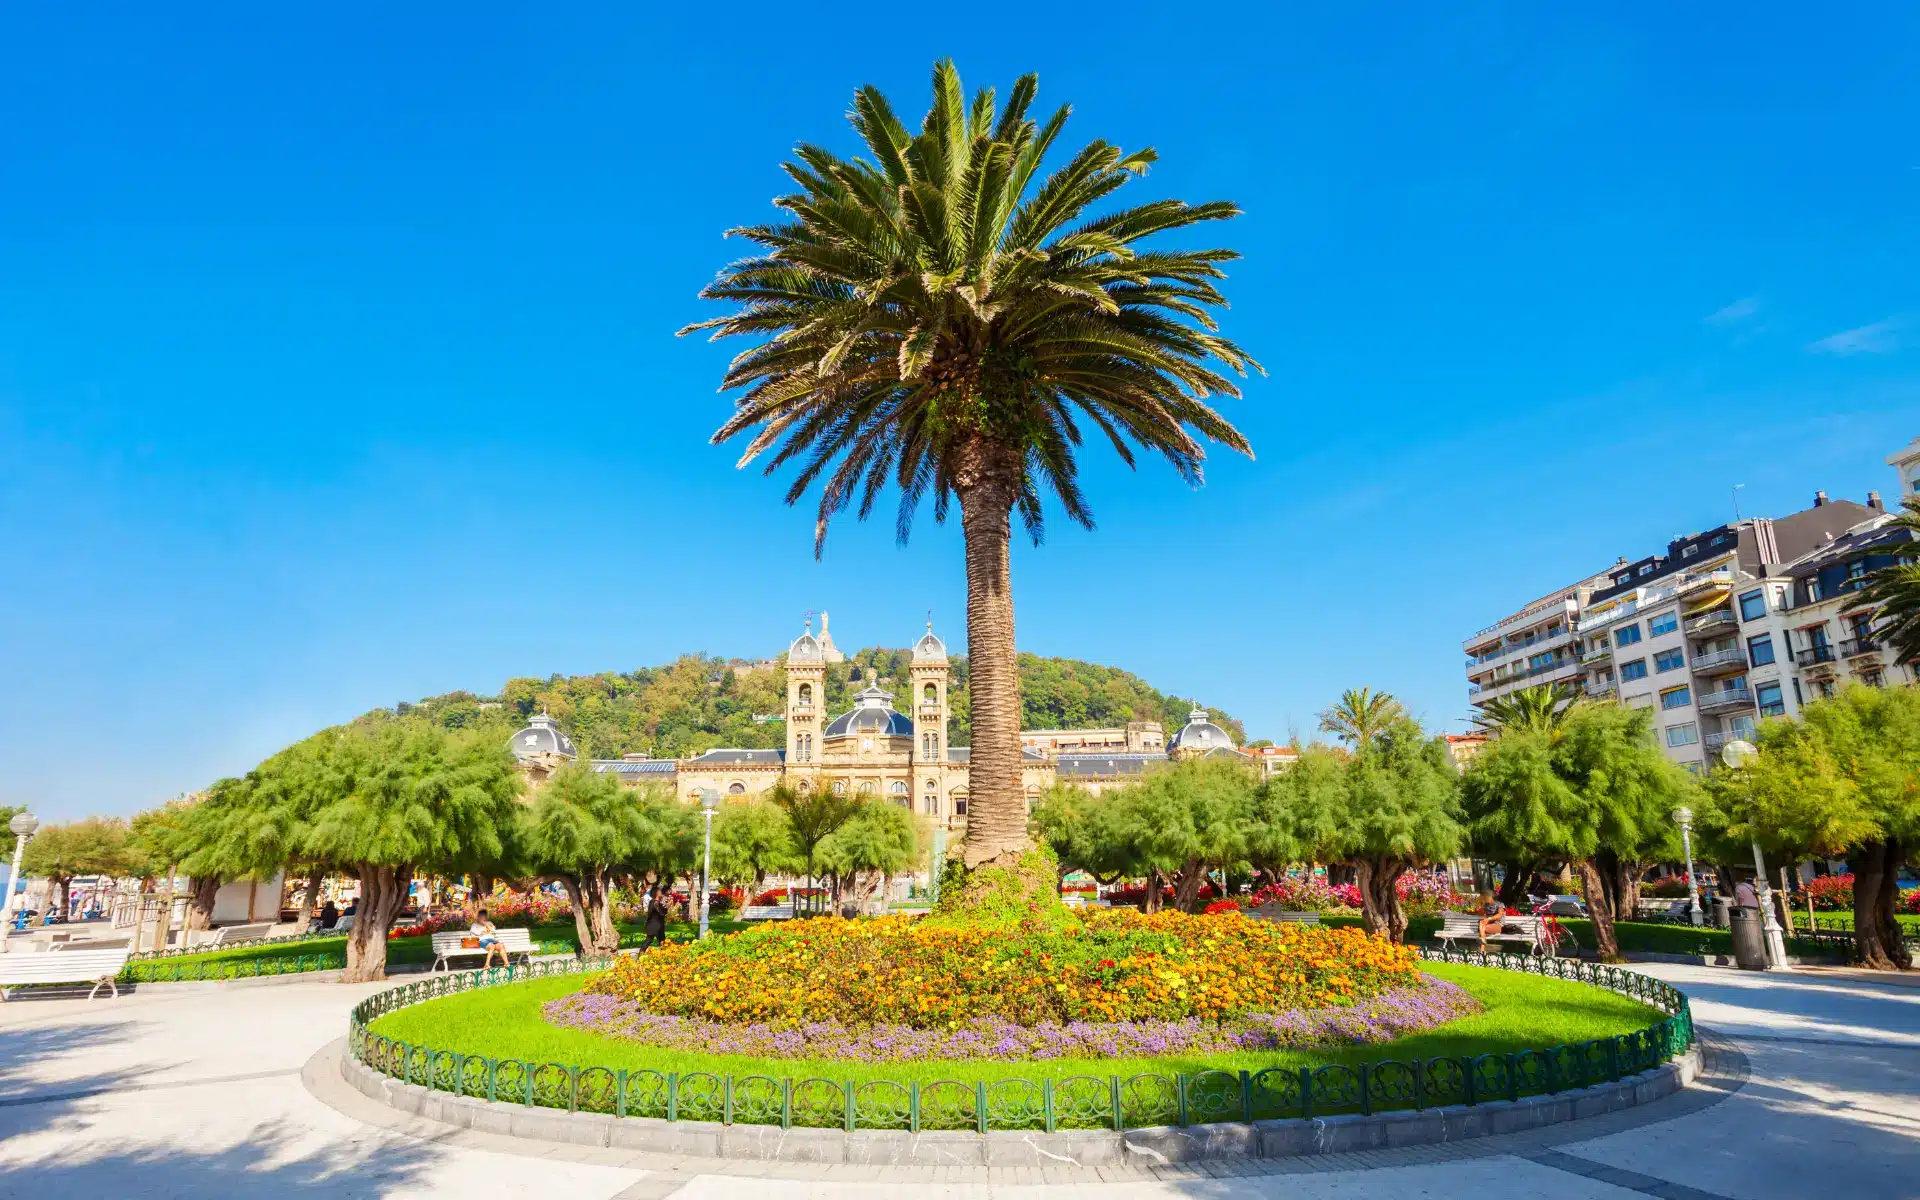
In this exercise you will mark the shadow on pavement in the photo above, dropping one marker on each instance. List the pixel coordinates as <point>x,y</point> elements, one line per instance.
<point>251,1167</point>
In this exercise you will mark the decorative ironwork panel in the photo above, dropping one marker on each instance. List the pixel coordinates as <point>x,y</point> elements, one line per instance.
<point>553,1086</point>
<point>1489,1077</point>
<point>1149,1099</point>
<point>948,1104</point>
<point>599,1090</point>
<point>1079,1102</point>
<point>819,1102</point>
<point>1015,1104</point>
<point>883,1104</point>
<point>1276,1093</point>
<point>1213,1096</point>
<point>1391,1084</point>
<point>756,1100</point>
<point>702,1096</point>
<point>1336,1088</point>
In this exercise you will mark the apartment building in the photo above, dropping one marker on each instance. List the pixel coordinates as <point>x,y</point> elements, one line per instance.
<point>1729,626</point>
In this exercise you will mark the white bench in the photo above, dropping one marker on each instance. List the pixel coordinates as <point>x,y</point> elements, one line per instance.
<point>343,925</point>
<point>96,944</point>
<point>766,912</point>
<point>1529,931</point>
<point>98,967</point>
<point>226,935</point>
<point>446,946</point>
<point>1268,912</point>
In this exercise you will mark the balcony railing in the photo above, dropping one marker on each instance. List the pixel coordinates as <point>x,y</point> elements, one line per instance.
<point>1511,648</point>
<point>1725,700</point>
<point>1712,623</point>
<point>1720,660</point>
<point>1598,653</point>
<point>1855,647</point>
<point>1813,656</point>
<point>1600,691</point>
<point>1714,741</point>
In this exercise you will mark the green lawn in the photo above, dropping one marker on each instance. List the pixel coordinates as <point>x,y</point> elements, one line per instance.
<point>1844,921</point>
<point>1522,1012</point>
<point>556,938</point>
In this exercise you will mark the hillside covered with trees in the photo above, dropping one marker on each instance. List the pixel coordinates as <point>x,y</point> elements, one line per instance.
<point>698,702</point>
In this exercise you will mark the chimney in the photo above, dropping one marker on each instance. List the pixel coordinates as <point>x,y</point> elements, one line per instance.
<point>1819,498</point>
<point>1873,502</point>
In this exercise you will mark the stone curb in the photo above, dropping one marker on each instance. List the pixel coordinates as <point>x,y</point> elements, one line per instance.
<point>331,975</point>
<point>1003,1148</point>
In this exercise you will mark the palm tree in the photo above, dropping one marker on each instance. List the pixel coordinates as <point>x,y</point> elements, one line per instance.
<point>1542,709</point>
<point>940,317</point>
<point>1896,590</point>
<point>1361,716</point>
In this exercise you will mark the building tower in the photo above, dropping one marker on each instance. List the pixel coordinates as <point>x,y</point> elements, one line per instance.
<point>806,698</point>
<point>928,673</point>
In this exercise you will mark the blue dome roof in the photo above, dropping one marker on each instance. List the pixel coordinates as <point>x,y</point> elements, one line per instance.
<point>872,713</point>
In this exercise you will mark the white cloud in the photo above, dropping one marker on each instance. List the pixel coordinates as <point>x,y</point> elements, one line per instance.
<point>1877,338</point>
<point>1740,310</point>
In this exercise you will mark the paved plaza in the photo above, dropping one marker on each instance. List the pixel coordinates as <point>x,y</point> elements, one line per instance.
<point>1812,1083</point>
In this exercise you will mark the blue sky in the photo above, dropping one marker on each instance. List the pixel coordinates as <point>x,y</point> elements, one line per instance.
<point>337,361</point>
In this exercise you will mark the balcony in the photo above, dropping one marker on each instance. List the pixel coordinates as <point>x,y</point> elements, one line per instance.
<point>1726,700</point>
<point>1814,658</point>
<point>1601,691</point>
<point>1607,617</point>
<point>1714,741</point>
<point>1721,621</point>
<point>1720,662</point>
<point>1859,647</point>
<point>1597,654</point>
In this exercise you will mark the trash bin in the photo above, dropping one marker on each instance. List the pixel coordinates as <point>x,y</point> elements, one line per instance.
<point>1749,940</point>
<point>1718,913</point>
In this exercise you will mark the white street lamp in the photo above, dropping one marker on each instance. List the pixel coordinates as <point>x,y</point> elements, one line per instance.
<point>1737,754</point>
<point>1683,817</point>
<point>709,801</point>
<point>22,825</point>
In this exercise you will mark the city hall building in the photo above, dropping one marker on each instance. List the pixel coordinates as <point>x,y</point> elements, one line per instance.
<point>885,745</point>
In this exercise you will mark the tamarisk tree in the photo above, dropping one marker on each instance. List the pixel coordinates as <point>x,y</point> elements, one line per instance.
<point>587,830</point>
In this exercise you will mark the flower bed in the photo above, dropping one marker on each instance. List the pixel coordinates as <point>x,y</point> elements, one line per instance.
<point>1422,894</point>
<point>1111,966</point>
<point>1392,1014</point>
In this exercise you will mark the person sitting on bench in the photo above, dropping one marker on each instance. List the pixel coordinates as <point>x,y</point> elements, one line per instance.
<point>1493,917</point>
<point>489,939</point>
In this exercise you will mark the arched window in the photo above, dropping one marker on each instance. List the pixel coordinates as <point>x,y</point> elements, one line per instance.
<point>897,788</point>
<point>806,696</point>
<point>866,787</point>
<point>839,787</point>
<point>931,695</point>
<point>736,789</point>
<point>933,805</point>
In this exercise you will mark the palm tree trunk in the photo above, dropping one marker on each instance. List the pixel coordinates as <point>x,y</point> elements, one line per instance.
<point>996,804</point>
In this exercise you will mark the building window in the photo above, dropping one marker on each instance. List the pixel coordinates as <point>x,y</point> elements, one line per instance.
<point>933,805</point>
<point>805,699</point>
<point>1628,635</point>
<point>1622,578</point>
<point>1669,660</point>
<point>897,788</point>
<point>1666,622</point>
<point>1646,568</point>
<point>1753,606</point>
<point>736,789</point>
<point>1857,569</point>
<point>1678,697</point>
<point>1741,727</point>
<point>866,743</point>
<point>1683,735</point>
<point>1760,650</point>
<point>1637,669</point>
<point>1768,696</point>
<point>959,806</point>
<point>1719,539</point>
<point>839,787</point>
<point>1689,551</point>
<point>1873,677</point>
<point>930,695</point>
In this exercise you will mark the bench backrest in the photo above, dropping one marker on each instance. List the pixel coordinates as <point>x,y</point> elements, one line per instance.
<point>1454,922</point>
<point>69,966</point>
<point>100,944</point>
<point>1268,912</point>
<point>765,912</point>
<point>512,939</point>
<point>241,933</point>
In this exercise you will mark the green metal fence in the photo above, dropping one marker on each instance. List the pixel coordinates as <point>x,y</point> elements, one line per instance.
<point>162,971</point>
<point>1080,1102</point>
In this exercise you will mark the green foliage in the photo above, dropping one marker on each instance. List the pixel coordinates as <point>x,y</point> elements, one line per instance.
<point>696,703</point>
<point>583,820</point>
<point>752,841</point>
<point>1896,589</point>
<point>94,846</point>
<point>1398,800</point>
<point>1541,709</point>
<point>1024,892</point>
<point>1597,782</point>
<point>1846,773</point>
<point>876,836</point>
<point>939,311</point>
<point>1361,716</point>
<point>811,815</point>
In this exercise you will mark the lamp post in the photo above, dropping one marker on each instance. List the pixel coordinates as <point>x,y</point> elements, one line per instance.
<point>22,825</point>
<point>1683,817</point>
<point>1737,754</point>
<point>709,801</point>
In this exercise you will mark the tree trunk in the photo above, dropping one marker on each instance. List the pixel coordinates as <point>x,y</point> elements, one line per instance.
<point>1151,901</point>
<point>1378,880</point>
<point>200,894</point>
<point>1599,909</point>
<point>477,897</point>
<point>383,892</point>
<point>1186,893</point>
<point>1877,939</point>
<point>986,482</point>
<point>592,900</point>
<point>1513,888</point>
<point>311,904</point>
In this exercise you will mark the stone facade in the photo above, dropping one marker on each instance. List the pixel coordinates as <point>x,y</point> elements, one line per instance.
<point>884,746</point>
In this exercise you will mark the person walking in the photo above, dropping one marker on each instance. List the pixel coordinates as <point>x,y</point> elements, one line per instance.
<point>656,922</point>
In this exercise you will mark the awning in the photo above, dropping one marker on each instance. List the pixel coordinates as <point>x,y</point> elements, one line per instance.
<point>1710,603</point>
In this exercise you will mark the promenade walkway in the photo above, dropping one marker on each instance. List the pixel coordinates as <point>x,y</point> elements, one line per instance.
<point>1813,1084</point>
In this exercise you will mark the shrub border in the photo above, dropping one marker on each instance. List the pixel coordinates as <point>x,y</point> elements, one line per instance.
<point>1211,1112</point>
